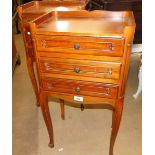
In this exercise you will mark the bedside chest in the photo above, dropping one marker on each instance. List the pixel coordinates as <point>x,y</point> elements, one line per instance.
<point>83,57</point>
<point>30,11</point>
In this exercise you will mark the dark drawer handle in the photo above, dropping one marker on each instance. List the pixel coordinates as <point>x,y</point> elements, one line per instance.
<point>106,92</point>
<point>77,89</point>
<point>77,70</point>
<point>76,46</point>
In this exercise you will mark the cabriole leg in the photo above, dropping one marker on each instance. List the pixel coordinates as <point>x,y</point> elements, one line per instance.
<point>62,107</point>
<point>47,117</point>
<point>117,114</point>
<point>33,78</point>
<point>113,118</point>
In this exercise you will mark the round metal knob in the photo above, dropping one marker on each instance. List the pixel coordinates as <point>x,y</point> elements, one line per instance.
<point>77,70</point>
<point>77,89</point>
<point>77,46</point>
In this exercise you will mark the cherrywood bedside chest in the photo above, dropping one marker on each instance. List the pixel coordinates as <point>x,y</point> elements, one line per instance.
<point>83,57</point>
<point>30,11</point>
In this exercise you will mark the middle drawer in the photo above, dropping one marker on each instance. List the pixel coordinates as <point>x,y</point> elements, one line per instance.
<point>86,68</point>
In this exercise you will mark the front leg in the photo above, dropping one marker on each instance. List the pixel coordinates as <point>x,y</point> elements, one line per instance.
<point>62,107</point>
<point>47,117</point>
<point>30,67</point>
<point>117,114</point>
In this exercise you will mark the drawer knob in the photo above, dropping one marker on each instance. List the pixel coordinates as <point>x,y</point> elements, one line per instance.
<point>77,46</point>
<point>77,89</point>
<point>77,70</point>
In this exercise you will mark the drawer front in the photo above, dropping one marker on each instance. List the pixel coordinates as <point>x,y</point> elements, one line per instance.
<point>81,45</point>
<point>80,87</point>
<point>85,68</point>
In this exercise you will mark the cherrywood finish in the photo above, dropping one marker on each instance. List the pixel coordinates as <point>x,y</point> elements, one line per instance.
<point>80,68</point>
<point>80,87</point>
<point>62,109</point>
<point>86,43</point>
<point>77,59</point>
<point>30,11</point>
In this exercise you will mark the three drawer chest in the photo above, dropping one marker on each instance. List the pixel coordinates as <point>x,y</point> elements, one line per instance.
<point>83,57</point>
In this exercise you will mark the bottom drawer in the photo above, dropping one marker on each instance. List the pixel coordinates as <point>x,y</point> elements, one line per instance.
<point>80,87</point>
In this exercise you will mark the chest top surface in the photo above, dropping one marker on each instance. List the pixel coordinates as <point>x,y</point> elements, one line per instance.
<point>96,23</point>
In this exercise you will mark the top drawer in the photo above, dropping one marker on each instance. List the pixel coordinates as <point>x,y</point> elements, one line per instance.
<point>81,45</point>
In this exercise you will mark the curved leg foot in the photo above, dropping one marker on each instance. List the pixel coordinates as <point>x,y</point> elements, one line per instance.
<point>37,103</point>
<point>82,107</point>
<point>117,114</point>
<point>33,78</point>
<point>47,117</point>
<point>51,145</point>
<point>18,62</point>
<point>62,106</point>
